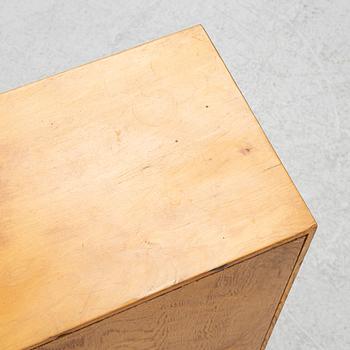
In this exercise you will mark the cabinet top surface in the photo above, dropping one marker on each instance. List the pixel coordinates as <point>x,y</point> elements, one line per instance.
<point>126,176</point>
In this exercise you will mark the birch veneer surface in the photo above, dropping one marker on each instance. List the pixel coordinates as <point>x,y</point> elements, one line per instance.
<point>132,184</point>
<point>230,309</point>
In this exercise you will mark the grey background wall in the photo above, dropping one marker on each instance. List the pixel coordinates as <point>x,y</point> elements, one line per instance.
<point>292,62</point>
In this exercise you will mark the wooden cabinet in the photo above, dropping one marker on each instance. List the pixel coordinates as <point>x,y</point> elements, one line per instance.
<point>142,207</point>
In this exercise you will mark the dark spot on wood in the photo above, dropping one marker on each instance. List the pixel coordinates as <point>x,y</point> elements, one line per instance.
<point>245,151</point>
<point>146,167</point>
<point>176,140</point>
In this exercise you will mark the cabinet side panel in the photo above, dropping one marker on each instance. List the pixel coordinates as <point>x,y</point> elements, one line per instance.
<point>288,287</point>
<point>229,309</point>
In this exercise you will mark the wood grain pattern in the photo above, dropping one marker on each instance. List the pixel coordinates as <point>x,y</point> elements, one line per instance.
<point>230,309</point>
<point>127,177</point>
<point>305,247</point>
